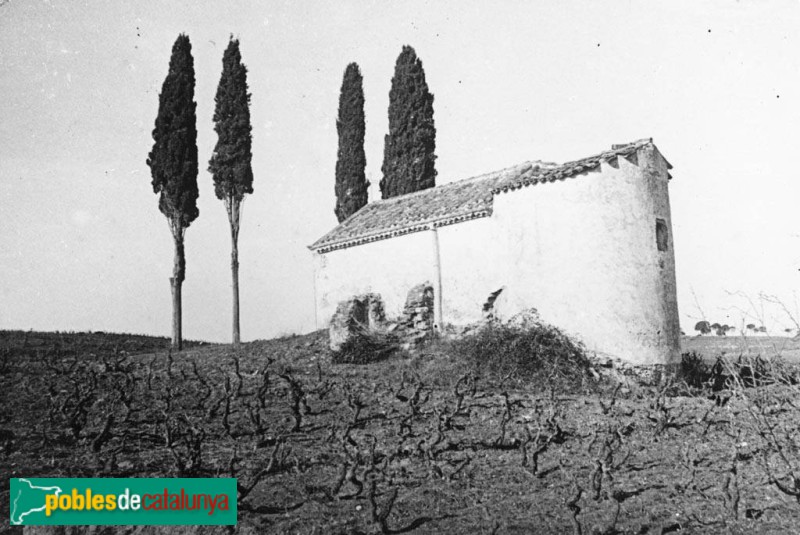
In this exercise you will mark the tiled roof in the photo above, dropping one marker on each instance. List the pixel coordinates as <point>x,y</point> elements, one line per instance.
<point>534,176</point>
<point>454,202</point>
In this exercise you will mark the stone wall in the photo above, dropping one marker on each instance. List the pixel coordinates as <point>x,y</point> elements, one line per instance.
<point>354,316</point>
<point>415,324</point>
<point>365,314</point>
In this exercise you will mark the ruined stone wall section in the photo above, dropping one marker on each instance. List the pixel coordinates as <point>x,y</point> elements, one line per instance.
<point>415,325</point>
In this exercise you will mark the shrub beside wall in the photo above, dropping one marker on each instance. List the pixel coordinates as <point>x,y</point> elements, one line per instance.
<point>538,354</point>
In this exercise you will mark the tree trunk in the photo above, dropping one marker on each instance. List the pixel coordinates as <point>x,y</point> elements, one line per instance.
<point>235,272</point>
<point>176,282</point>
<point>233,218</point>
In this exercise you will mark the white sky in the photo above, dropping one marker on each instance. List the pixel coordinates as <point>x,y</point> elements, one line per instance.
<point>83,245</point>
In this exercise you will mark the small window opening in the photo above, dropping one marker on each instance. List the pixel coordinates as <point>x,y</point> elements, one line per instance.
<point>662,235</point>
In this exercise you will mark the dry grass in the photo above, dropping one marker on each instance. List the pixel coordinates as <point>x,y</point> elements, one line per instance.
<point>732,346</point>
<point>539,357</point>
<point>366,346</point>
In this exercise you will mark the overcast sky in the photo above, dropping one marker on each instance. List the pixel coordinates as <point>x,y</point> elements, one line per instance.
<point>84,246</point>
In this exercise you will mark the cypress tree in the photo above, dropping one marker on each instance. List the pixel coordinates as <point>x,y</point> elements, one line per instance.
<point>230,163</point>
<point>173,163</point>
<point>351,183</point>
<point>408,155</point>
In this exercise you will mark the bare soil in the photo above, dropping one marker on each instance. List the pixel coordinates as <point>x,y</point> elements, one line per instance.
<point>410,444</point>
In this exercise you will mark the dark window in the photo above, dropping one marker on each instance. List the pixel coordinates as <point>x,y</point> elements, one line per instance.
<point>662,235</point>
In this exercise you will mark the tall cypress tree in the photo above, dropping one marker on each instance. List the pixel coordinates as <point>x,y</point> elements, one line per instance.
<point>173,163</point>
<point>408,154</point>
<point>351,183</point>
<point>231,162</point>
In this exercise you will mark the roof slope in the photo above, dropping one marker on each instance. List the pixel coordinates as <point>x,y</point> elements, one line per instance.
<point>456,201</point>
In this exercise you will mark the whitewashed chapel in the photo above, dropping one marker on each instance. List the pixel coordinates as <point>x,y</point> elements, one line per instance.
<point>587,243</point>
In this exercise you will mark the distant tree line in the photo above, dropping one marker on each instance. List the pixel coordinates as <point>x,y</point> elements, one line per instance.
<point>704,327</point>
